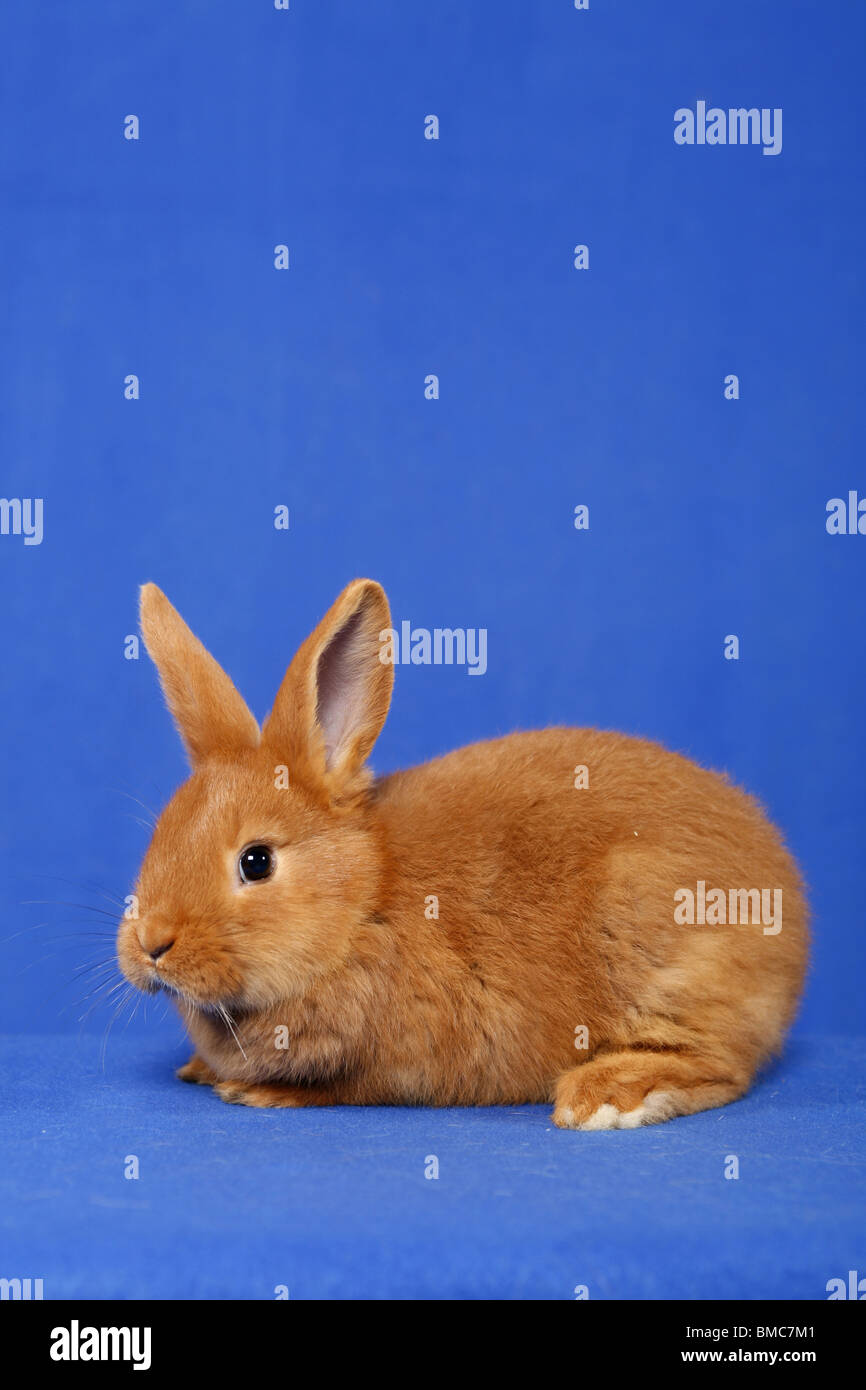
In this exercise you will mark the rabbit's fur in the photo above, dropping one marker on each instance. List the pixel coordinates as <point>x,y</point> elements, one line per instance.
<point>474,931</point>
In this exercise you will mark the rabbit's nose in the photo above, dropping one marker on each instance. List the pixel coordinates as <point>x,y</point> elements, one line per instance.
<point>154,939</point>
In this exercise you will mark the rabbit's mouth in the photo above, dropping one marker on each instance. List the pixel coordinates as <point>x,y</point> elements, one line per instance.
<point>158,955</point>
<point>223,1011</point>
<point>183,997</point>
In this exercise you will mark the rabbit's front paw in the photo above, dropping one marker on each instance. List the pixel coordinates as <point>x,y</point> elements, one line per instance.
<point>196,1071</point>
<point>270,1095</point>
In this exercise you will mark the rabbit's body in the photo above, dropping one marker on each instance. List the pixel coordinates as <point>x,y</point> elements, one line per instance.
<point>478,930</point>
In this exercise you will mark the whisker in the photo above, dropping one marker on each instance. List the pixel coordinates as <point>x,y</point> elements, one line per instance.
<point>143,804</point>
<point>123,1000</point>
<point>105,935</point>
<point>62,902</point>
<point>31,965</point>
<point>91,887</point>
<point>101,993</point>
<point>134,1012</point>
<point>101,981</point>
<point>231,1027</point>
<point>89,969</point>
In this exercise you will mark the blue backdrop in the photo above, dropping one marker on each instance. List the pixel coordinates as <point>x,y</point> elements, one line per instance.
<point>409,257</point>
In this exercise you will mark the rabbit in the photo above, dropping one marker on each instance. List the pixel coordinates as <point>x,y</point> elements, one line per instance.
<point>506,924</point>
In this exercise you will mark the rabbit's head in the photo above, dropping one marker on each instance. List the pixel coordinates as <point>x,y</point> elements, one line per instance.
<point>265,864</point>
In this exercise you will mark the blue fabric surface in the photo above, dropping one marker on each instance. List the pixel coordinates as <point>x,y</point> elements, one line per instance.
<point>233,1202</point>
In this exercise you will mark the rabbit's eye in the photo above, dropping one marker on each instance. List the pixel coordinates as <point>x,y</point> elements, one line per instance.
<point>255,863</point>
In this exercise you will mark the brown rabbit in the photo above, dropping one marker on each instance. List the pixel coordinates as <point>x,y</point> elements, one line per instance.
<point>497,926</point>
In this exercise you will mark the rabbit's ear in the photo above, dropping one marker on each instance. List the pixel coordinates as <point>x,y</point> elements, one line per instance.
<point>332,703</point>
<point>210,714</point>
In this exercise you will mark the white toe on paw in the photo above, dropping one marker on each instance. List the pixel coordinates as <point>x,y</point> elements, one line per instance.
<point>605,1117</point>
<point>658,1105</point>
<point>654,1107</point>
